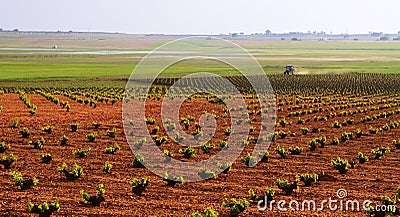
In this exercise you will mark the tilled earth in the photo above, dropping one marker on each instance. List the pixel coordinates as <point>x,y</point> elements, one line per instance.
<point>369,181</point>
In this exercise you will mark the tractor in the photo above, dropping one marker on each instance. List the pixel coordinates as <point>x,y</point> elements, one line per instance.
<point>289,70</point>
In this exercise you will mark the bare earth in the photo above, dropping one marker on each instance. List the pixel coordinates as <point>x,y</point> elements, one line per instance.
<point>365,182</point>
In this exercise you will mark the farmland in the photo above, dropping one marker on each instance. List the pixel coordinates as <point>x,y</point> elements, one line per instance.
<point>344,103</point>
<point>310,58</point>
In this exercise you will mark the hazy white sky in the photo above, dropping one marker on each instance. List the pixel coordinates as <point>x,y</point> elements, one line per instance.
<point>204,17</point>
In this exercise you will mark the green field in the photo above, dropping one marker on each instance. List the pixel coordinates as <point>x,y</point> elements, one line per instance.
<point>308,57</point>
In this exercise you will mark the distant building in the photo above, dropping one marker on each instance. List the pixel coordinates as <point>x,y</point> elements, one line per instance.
<point>376,34</point>
<point>384,38</point>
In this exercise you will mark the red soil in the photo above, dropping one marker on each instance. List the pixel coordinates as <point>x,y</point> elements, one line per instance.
<point>364,182</point>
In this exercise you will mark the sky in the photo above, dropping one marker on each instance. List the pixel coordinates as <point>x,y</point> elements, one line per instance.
<point>202,17</point>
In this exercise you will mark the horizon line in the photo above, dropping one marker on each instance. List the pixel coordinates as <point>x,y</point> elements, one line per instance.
<point>16,30</point>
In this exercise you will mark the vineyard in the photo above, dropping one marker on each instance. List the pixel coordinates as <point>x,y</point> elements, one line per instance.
<point>64,142</point>
<point>64,150</point>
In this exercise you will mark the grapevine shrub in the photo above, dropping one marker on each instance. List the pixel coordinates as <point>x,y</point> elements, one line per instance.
<point>76,172</point>
<point>206,147</point>
<point>236,206</point>
<point>340,164</point>
<point>308,179</point>
<point>3,147</point>
<point>94,200</point>
<point>362,158</point>
<point>208,212</point>
<point>281,151</point>
<point>64,140</point>
<point>107,167</point>
<point>249,160</point>
<point>138,162</point>
<point>38,144</point>
<point>81,153</point>
<point>25,132</point>
<point>24,184</point>
<point>96,125</point>
<point>15,123</point>
<point>48,129</point>
<point>74,127</point>
<point>224,168</point>
<point>138,186</point>
<point>207,174</point>
<point>264,156</point>
<point>45,157</point>
<point>111,133</point>
<point>295,151</point>
<point>138,144</point>
<point>44,209</point>
<point>168,155</point>
<point>286,187</point>
<point>174,180</point>
<point>7,162</point>
<point>187,152</point>
<point>91,137</point>
<point>113,149</point>
<point>380,152</point>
